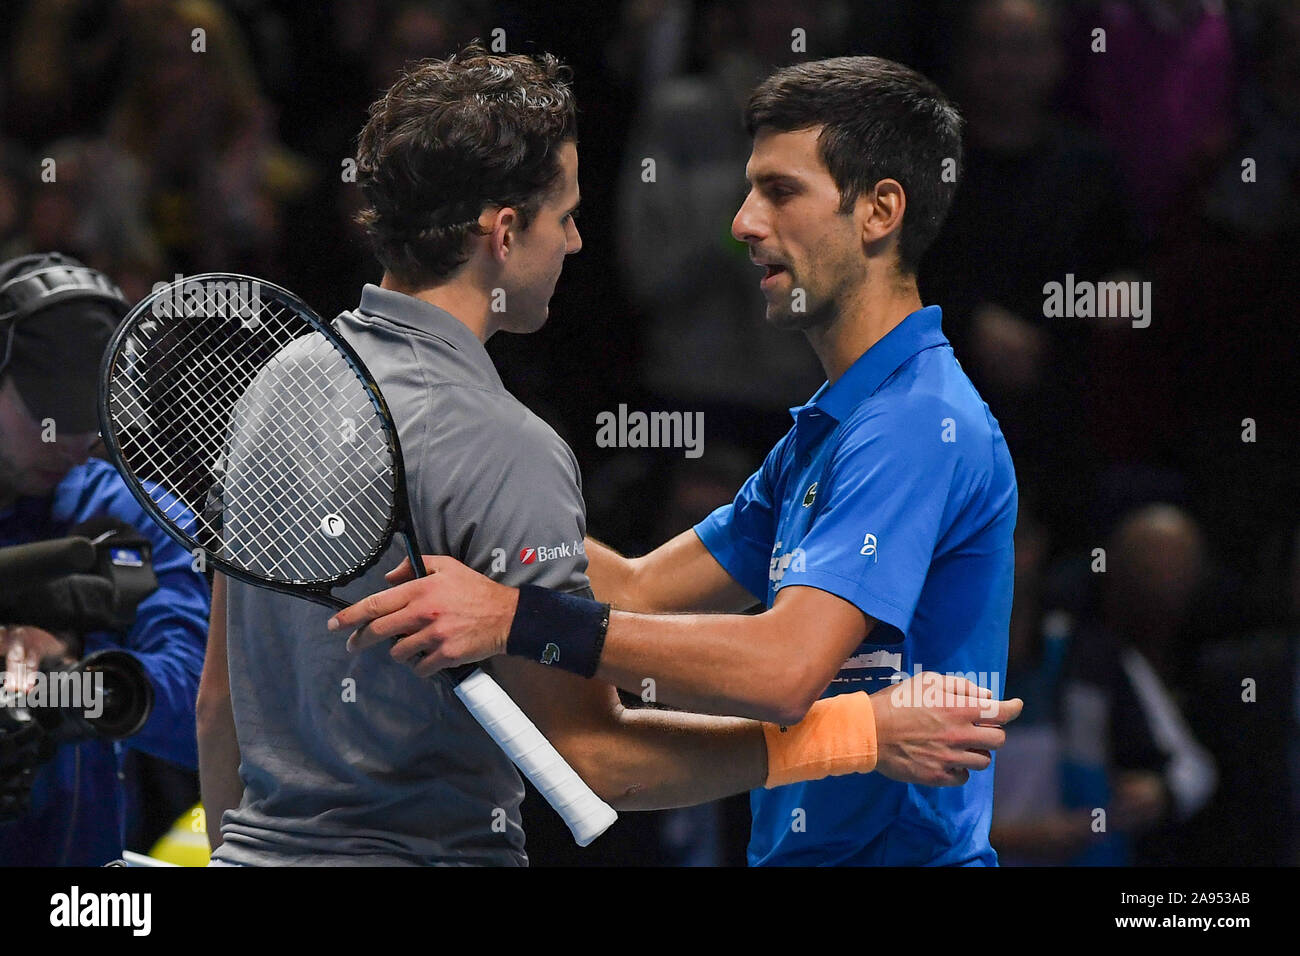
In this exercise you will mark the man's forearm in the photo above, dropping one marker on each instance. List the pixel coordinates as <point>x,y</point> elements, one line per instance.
<point>646,760</point>
<point>636,758</point>
<point>219,783</point>
<point>679,575</point>
<point>711,664</point>
<point>654,759</point>
<point>639,759</point>
<point>768,666</point>
<point>610,574</point>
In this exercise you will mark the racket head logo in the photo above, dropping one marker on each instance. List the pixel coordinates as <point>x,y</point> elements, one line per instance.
<point>332,525</point>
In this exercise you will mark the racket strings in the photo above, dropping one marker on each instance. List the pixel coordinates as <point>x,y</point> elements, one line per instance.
<point>369,492</point>
<point>279,446</point>
<point>349,527</point>
<point>255,427</point>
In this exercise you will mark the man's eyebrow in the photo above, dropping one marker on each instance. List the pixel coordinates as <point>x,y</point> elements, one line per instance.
<point>773,178</point>
<point>574,207</point>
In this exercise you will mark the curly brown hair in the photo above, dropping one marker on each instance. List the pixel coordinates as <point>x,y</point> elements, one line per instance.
<point>452,137</point>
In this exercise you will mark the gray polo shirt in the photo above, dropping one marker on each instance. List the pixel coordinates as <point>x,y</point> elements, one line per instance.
<point>352,759</point>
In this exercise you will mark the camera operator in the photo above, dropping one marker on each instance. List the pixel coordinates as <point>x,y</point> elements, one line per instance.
<point>56,317</point>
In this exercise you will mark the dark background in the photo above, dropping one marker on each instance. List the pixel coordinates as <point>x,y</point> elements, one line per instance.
<point>1124,163</point>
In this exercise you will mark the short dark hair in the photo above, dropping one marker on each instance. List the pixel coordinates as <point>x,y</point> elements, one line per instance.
<point>452,137</point>
<point>881,120</point>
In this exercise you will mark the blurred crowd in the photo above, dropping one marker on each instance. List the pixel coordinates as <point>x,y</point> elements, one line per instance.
<point>1156,630</point>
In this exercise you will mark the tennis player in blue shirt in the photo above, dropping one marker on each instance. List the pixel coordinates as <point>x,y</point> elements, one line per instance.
<point>877,533</point>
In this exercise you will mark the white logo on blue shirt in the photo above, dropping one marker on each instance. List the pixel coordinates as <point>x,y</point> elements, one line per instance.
<point>869,547</point>
<point>794,561</point>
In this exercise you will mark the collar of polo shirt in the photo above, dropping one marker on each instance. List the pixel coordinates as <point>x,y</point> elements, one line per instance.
<point>420,316</point>
<point>920,330</point>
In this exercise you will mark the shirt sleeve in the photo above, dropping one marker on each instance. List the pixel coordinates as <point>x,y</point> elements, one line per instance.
<point>169,634</point>
<point>881,512</point>
<point>511,506</point>
<point>741,535</point>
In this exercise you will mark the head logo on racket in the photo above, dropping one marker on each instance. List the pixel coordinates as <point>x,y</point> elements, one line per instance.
<point>332,525</point>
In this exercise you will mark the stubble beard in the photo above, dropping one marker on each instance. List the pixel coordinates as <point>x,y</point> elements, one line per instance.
<point>781,316</point>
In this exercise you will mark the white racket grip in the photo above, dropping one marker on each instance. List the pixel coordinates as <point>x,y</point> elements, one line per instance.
<point>586,814</point>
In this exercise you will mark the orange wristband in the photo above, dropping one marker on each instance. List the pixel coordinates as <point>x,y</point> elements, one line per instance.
<point>836,736</point>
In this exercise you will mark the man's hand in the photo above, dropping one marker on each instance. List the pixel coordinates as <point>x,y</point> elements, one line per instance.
<point>933,730</point>
<point>23,648</point>
<point>453,616</point>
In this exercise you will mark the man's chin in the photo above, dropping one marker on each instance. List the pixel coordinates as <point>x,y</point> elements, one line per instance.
<point>780,317</point>
<point>535,324</point>
<point>528,326</point>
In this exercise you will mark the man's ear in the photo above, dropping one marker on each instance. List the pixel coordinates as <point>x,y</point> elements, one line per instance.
<point>882,210</point>
<point>880,213</point>
<point>501,227</point>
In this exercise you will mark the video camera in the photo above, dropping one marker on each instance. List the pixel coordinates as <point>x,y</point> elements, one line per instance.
<point>92,580</point>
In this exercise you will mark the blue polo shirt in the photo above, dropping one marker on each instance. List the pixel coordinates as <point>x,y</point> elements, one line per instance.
<point>895,491</point>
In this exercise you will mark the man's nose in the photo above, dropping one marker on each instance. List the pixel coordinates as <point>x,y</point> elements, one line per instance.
<point>745,226</point>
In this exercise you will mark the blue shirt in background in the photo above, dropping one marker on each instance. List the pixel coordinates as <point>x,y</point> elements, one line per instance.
<point>895,491</point>
<point>78,812</point>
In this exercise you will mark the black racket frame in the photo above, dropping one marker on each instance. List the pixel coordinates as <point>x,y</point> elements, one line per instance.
<point>400,519</point>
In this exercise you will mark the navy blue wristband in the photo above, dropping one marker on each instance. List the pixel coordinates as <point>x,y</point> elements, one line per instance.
<point>563,630</point>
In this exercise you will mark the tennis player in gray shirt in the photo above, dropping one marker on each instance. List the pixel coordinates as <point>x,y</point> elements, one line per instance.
<point>310,754</point>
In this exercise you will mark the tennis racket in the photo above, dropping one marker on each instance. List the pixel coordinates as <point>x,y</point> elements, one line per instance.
<point>250,429</point>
